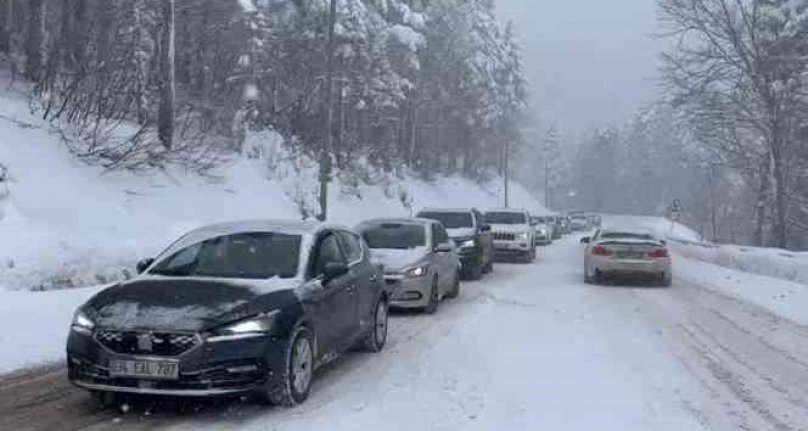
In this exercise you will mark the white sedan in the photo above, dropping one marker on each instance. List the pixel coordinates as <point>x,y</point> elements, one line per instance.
<point>626,253</point>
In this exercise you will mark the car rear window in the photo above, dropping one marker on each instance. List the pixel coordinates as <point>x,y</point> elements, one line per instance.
<point>395,236</point>
<point>450,220</point>
<point>626,235</point>
<point>254,255</point>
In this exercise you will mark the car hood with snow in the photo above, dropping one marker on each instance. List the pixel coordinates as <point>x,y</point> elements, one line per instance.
<point>395,260</point>
<point>510,228</point>
<point>461,232</point>
<point>185,304</point>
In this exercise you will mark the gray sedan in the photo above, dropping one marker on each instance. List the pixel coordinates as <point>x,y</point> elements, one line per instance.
<point>421,264</point>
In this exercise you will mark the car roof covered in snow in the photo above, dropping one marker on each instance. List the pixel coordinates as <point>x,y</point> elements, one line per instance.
<point>447,210</point>
<point>291,227</point>
<point>506,210</point>
<point>397,220</point>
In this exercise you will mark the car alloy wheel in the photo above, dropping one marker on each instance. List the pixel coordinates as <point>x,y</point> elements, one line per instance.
<point>376,338</point>
<point>292,386</point>
<point>302,365</point>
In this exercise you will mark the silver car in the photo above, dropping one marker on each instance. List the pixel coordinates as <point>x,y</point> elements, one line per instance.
<point>628,253</point>
<point>421,263</point>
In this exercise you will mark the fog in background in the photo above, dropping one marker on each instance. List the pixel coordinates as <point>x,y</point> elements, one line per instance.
<point>588,63</point>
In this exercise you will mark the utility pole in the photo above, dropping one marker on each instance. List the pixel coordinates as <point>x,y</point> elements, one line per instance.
<point>325,152</point>
<point>546,181</point>
<point>505,166</point>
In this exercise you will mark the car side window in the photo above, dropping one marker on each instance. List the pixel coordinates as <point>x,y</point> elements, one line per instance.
<point>328,251</point>
<point>442,235</point>
<point>434,230</point>
<point>352,246</point>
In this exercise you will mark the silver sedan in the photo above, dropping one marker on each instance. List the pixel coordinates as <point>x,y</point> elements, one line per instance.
<point>421,263</point>
<point>626,253</point>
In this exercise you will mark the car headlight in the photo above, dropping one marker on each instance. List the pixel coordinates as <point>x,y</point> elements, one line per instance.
<point>417,271</point>
<point>469,243</point>
<point>524,236</point>
<point>256,326</point>
<point>82,323</point>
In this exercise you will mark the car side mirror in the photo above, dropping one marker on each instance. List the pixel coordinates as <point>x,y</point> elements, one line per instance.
<point>143,264</point>
<point>443,248</point>
<point>586,240</point>
<point>334,270</point>
<point>485,228</point>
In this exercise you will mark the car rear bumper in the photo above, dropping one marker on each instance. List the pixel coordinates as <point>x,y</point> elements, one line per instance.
<point>218,368</point>
<point>408,292</point>
<point>631,267</point>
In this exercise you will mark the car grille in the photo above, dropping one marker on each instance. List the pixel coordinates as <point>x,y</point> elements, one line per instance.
<point>147,343</point>
<point>504,236</point>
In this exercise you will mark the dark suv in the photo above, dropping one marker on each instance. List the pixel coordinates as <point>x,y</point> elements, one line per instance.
<point>472,236</point>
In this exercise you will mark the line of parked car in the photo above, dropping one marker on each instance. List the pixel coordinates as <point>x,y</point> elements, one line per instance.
<point>258,306</point>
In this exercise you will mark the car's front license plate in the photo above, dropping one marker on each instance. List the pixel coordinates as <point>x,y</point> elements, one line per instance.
<point>140,368</point>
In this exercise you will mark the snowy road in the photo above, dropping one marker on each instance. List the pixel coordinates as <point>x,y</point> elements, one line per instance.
<point>530,347</point>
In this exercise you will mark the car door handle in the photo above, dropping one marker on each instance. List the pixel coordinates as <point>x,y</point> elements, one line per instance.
<point>350,289</point>
<point>374,278</point>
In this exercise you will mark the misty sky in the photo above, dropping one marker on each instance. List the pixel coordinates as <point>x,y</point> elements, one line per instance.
<point>589,62</point>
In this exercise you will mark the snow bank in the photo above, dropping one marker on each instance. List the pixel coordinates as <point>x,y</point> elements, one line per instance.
<point>41,320</point>
<point>771,262</point>
<point>66,224</point>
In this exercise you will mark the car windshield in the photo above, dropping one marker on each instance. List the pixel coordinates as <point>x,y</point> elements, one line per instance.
<point>395,236</point>
<point>505,218</point>
<point>253,255</point>
<point>450,220</point>
<point>625,235</point>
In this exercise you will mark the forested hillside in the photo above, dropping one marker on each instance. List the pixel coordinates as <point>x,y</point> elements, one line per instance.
<point>435,86</point>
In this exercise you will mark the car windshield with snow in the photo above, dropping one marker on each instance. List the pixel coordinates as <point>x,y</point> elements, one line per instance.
<point>242,255</point>
<point>244,307</point>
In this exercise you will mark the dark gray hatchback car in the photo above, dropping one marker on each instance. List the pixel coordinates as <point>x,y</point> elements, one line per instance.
<point>232,308</point>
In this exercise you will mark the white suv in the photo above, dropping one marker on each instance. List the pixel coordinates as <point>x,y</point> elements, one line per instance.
<point>513,233</point>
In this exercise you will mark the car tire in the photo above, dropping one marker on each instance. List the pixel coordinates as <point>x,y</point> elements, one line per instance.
<point>530,256</point>
<point>374,341</point>
<point>434,298</point>
<point>666,279</point>
<point>598,278</point>
<point>455,292</point>
<point>475,272</point>
<point>489,266</point>
<point>292,386</point>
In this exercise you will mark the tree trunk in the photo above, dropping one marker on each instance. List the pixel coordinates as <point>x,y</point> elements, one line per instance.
<point>165,115</point>
<point>762,200</point>
<point>8,26</point>
<point>35,45</point>
<point>780,225</point>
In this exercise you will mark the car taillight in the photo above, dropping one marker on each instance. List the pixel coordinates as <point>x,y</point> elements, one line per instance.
<point>658,253</point>
<point>601,250</point>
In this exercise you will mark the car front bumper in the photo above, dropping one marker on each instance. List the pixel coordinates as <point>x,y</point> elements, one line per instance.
<point>505,248</point>
<point>208,369</point>
<point>408,292</point>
